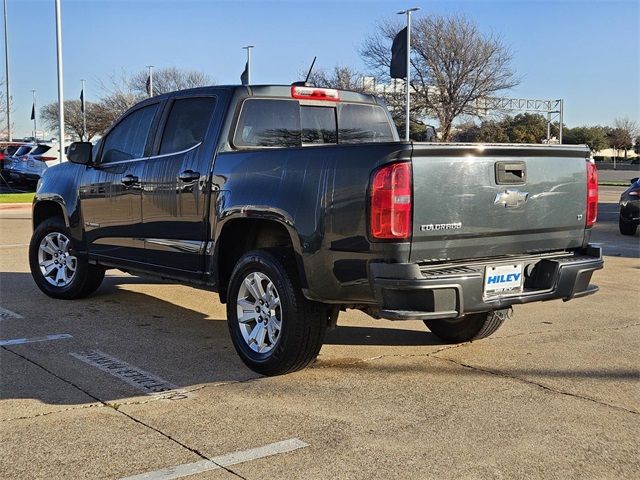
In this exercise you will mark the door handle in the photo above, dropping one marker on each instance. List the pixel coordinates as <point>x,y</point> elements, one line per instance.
<point>129,179</point>
<point>189,176</point>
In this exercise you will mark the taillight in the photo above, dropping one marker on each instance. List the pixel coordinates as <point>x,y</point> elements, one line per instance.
<point>635,193</point>
<point>45,159</point>
<point>24,158</point>
<point>312,93</point>
<point>592,194</point>
<point>391,202</point>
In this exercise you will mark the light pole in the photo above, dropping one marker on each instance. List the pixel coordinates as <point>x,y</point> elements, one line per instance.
<point>408,81</point>
<point>6,69</point>
<point>60,81</point>
<point>248,49</point>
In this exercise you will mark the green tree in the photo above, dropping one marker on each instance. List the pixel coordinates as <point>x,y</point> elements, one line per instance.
<point>595,137</point>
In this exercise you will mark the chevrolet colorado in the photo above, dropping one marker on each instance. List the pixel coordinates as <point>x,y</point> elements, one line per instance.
<point>295,203</point>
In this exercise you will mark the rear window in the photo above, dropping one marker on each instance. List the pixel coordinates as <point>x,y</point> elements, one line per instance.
<point>363,124</point>
<point>286,123</point>
<point>40,149</point>
<point>318,125</point>
<point>23,150</point>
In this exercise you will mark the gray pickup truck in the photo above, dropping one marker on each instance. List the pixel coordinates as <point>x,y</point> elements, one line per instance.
<point>295,203</point>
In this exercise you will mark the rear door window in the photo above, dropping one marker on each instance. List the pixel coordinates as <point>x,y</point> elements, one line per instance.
<point>40,149</point>
<point>363,124</point>
<point>128,138</point>
<point>268,123</point>
<point>187,124</point>
<point>318,125</point>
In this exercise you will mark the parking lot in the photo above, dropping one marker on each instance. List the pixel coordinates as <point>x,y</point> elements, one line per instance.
<point>142,378</point>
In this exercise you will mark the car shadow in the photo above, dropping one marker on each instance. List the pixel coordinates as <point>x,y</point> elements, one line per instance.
<point>185,347</point>
<point>607,234</point>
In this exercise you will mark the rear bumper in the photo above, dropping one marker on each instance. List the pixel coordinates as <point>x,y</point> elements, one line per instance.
<point>413,292</point>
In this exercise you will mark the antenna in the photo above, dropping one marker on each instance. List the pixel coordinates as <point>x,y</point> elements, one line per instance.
<point>310,69</point>
<point>304,84</point>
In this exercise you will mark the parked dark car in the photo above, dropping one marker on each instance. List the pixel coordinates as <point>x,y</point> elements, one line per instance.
<point>630,208</point>
<point>295,202</point>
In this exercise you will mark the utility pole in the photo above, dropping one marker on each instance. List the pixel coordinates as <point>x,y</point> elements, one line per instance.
<point>408,80</point>
<point>6,70</point>
<point>150,80</point>
<point>248,49</point>
<point>35,115</point>
<point>83,107</point>
<point>60,80</point>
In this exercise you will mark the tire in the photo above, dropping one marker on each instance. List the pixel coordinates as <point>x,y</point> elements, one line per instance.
<point>627,228</point>
<point>302,323</point>
<point>71,284</point>
<point>470,327</point>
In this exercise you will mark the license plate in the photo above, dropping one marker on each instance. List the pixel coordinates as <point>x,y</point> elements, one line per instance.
<point>502,279</point>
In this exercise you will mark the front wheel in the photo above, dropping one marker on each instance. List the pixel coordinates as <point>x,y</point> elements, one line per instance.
<point>274,328</point>
<point>469,327</point>
<point>627,228</point>
<point>55,266</point>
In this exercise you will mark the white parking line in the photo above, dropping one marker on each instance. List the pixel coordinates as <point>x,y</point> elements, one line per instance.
<point>228,460</point>
<point>134,376</point>
<point>46,338</point>
<point>14,245</point>
<point>4,314</point>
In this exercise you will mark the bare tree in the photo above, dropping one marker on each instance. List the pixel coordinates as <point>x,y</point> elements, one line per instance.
<point>169,79</point>
<point>453,65</point>
<point>622,135</point>
<point>73,118</point>
<point>340,77</point>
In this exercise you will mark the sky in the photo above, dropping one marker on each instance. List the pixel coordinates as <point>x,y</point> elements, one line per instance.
<point>583,51</point>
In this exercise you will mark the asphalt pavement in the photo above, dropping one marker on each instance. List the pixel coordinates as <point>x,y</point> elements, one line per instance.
<point>142,378</point>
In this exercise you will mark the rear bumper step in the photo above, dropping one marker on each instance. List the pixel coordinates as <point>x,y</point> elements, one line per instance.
<point>411,292</point>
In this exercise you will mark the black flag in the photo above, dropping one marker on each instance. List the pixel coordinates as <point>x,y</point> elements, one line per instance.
<point>399,55</point>
<point>82,100</point>
<point>33,111</point>
<point>148,85</point>
<point>244,78</point>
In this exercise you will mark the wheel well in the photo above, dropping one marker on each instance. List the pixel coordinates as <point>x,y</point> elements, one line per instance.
<point>240,236</point>
<point>45,210</point>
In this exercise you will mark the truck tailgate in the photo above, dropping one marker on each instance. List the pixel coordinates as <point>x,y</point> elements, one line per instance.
<point>474,201</point>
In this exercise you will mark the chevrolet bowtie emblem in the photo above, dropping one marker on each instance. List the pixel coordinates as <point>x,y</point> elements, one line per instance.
<point>511,198</point>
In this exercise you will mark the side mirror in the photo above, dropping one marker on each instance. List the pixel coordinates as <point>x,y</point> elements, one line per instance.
<point>634,180</point>
<point>80,152</point>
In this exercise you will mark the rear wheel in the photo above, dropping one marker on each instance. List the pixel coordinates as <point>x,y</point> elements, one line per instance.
<point>627,228</point>
<point>274,328</point>
<point>469,327</point>
<point>55,266</point>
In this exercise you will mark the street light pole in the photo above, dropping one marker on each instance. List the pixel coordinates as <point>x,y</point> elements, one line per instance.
<point>408,80</point>
<point>6,70</point>
<point>248,49</point>
<point>60,80</point>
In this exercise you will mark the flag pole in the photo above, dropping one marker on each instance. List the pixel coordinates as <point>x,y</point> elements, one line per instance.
<point>6,70</point>
<point>35,114</point>
<point>150,67</point>
<point>248,49</point>
<point>408,78</point>
<point>60,80</point>
<point>83,106</point>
